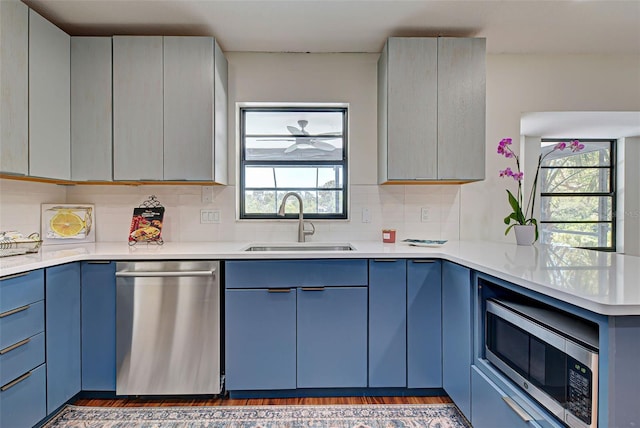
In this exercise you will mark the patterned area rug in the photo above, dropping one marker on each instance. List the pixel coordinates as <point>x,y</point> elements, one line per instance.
<point>336,416</point>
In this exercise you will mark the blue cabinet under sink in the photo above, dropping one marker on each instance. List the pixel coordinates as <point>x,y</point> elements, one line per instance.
<point>295,324</point>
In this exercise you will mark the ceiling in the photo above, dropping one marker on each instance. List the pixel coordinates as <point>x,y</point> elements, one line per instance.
<point>510,26</point>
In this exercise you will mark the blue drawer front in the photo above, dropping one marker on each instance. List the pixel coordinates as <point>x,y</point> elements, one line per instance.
<point>21,359</point>
<point>23,324</point>
<point>21,289</point>
<point>24,404</point>
<point>295,273</point>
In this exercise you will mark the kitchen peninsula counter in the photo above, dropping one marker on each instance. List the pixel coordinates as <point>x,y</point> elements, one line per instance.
<point>604,283</point>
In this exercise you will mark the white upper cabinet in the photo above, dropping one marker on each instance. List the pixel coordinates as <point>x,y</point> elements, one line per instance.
<point>91,109</point>
<point>49,100</point>
<point>137,108</point>
<point>461,108</point>
<point>195,103</point>
<point>169,109</point>
<point>431,110</point>
<point>14,87</point>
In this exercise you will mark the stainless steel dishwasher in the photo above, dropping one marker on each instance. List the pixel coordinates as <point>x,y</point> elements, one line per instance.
<point>168,328</point>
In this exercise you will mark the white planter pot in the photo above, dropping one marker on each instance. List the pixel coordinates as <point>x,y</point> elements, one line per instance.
<point>525,234</point>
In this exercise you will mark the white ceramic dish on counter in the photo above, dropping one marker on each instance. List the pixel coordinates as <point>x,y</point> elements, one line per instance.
<point>425,242</point>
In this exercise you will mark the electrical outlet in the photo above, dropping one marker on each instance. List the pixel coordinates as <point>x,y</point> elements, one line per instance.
<point>366,215</point>
<point>424,214</point>
<point>207,194</point>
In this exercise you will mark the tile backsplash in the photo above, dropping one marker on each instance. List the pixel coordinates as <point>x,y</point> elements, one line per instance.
<point>395,207</point>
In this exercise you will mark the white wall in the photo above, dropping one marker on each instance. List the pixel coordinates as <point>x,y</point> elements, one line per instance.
<point>20,204</point>
<point>515,84</point>
<point>530,83</point>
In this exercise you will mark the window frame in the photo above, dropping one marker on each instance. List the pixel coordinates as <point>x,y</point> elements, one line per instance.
<point>243,162</point>
<point>612,193</point>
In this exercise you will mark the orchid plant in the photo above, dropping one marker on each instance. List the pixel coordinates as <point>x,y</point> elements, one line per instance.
<point>518,216</point>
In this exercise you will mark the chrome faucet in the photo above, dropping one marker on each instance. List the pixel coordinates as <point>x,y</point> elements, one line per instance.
<point>302,233</point>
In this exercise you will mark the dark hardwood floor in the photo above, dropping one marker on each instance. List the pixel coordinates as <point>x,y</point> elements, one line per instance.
<point>138,402</point>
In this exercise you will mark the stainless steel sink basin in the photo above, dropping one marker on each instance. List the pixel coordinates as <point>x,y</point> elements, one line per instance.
<point>300,247</point>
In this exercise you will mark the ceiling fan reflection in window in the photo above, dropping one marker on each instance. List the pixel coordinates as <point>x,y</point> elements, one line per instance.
<point>303,140</point>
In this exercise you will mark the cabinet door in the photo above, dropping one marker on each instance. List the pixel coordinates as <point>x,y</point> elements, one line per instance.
<point>424,321</point>
<point>411,108</point>
<point>14,89</point>
<point>332,337</point>
<point>62,320</point>
<point>260,344</point>
<point>49,100</point>
<point>461,108</point>
<point>457,335</point>
<point>221,143</point>
<point>137,108</point>
<point>91,109</point>
<point>188,108</point>
<point>387,323</point>
<point>98,326</point>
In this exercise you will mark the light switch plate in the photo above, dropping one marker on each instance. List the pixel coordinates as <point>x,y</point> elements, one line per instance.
<point>209,216</point>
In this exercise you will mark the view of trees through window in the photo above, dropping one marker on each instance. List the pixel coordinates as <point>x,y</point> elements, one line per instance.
<point>293,149</point>
<point>578,195</point>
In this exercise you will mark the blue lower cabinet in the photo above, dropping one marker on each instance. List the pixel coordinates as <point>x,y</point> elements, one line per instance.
<point>23,401</point>
<point>332,337</point>
<point>457,335</point>
<point>387,323</point>
<point>492,408</point>
<point>424,324</point>
<point>260,347</point>
<point>62,327</point>
<point>98,326</point>
<point>21,358</point>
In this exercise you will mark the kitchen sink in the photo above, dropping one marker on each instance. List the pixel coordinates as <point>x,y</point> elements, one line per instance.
<point>300,247</point>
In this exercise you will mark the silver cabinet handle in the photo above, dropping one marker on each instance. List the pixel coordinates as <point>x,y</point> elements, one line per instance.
<point>279,290</point>
<point>312,288</point>
<point>14,346</point>
<point>422,261</point>
<point>16,275</point>
<point>15,382</point>
<point>516,408</point>
<point>14,311</point>
<point>99,262</point>
<point>135,274</point>
<point>385,260</point>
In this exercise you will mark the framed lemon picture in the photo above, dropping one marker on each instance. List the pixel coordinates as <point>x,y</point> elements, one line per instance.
<point>68,223</point>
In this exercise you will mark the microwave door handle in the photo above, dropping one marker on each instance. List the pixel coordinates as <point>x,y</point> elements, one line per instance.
<point>516,408</point>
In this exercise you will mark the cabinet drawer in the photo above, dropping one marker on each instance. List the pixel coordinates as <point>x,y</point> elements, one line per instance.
<point>21,357</point>
<point>490,406</point>
<point>295,273</point>
<point>17,326</point>
<point>21,289</point>
<point>496,404</point>
<point>23,404</point>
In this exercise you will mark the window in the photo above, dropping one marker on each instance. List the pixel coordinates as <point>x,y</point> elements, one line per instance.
<point>293,149</point>
<point>578,199</point>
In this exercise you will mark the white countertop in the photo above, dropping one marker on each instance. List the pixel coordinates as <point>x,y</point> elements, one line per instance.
<point>604,283</point>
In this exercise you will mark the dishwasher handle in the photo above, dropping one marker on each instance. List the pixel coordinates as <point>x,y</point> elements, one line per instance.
<point>173,274</point>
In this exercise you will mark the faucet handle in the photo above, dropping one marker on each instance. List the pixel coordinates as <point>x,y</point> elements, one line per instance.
<point>306,231</point>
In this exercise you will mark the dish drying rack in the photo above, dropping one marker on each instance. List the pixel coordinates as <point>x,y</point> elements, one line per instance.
<point>14,244</point>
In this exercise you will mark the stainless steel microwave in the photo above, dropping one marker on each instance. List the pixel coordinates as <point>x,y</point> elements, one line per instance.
<point>552,356</point>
